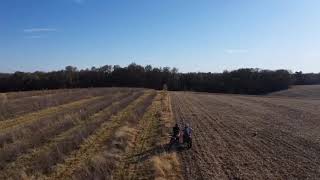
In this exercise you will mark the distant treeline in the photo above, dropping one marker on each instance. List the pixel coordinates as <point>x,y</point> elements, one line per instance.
<point>306,79</point>
<point>242,81</point>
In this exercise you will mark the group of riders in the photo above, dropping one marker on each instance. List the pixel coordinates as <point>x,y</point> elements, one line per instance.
<point>181,136</point>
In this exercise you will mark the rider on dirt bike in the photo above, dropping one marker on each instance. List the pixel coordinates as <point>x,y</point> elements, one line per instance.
<point>175,130</point>
<point>174,140</point>
<point>181,138</point>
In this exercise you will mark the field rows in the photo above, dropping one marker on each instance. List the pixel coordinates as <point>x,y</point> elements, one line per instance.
<point>121,133</point>
<point>89,137</point>
<point>244,137</point>
<point>67,127</point>
<point>10,108</point>
<point>81,136</point>
<point>147,157</point>
<point>95,143</point>
<point>58,119</point>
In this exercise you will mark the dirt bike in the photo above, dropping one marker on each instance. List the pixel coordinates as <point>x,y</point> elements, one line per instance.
<point>187,141</point>
<point>174,141</point>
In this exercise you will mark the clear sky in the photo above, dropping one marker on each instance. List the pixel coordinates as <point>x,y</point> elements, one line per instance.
<point>192,35</point>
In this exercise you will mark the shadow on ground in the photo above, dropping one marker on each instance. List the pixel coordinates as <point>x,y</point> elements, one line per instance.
<point>157,150</point>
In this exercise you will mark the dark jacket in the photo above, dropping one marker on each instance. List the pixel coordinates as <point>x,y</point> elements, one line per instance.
<point>175,130</point>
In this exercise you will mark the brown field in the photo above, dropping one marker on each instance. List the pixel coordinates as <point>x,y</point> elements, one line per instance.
<point>249,137</point>
<point>98,133</point>
<point>303,91</point>
<point>121,133</point>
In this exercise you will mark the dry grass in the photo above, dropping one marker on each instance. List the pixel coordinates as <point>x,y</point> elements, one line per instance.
<point>166,165</point>
<point>10,108</point>
<point>107,135</point>
<point>147,158</point>
<point>41,160</point>
<point>35,116</point>
<point>90,137</point>
<point>22,94</point>
<point>96,142</point>
<point>23,139</point>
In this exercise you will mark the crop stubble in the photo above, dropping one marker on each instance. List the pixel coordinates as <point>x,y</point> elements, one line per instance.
<point>244,137</point>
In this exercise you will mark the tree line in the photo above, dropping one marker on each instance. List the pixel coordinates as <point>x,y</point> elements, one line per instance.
<point>306,79</point>
<point>241,81</point>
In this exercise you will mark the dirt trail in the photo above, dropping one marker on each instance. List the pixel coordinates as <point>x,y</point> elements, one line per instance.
<point>232,140</point>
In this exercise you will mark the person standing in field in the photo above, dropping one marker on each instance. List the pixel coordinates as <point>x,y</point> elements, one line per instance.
<point>187,135</point>
<point>187,130</point>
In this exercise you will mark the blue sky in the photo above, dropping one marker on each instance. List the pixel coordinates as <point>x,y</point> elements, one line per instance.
<point>203,35</point>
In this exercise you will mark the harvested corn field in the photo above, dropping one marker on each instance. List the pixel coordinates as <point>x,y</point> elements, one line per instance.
<point>122,133</point>
<point>249,137</point>
<point>83,133</point>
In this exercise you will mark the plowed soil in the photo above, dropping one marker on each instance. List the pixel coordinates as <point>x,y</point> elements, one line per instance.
<point>249,137</point>
<point>122,133</point>
<point>302,91</point>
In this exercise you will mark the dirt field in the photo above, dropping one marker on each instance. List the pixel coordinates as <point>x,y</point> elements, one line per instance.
<point>249,137</point>
<point>98,133</point>
<point>306,91</point>
<point>121,133</point>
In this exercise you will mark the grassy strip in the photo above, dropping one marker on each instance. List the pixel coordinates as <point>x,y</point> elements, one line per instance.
<point>36,93</point>
<point>166,165</point>
<point>41,160</point>
<point>34,116</point>
<point>48,123</point>
<point>75,113</point>
<point>13,108</point>
<point>148,158</point>
<point>45,132</point>
<point>96,142</point>
<point>23,94</point>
